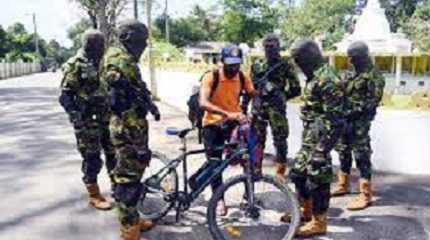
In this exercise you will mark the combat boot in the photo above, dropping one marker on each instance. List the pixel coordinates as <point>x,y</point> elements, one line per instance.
<point>317,226</point>
<point>130,232</point>
<point>145,225</point>
<point>281,169</point>
<point>96,199</point>
<point>364,200</point>
<point>305,212</point>
<point>342,185</point>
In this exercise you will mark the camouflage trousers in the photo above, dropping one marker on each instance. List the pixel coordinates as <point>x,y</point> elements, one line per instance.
<point>130,139</point>
<point>355,145</point>
<point>312,180</point>
<point>92,137</point>
<point>277,119</point>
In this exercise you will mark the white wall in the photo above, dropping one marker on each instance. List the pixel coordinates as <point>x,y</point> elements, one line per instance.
<point>9,70</point>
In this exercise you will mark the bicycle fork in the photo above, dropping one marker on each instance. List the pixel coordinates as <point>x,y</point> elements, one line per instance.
<point>251,209</point>
<point>183,195</point>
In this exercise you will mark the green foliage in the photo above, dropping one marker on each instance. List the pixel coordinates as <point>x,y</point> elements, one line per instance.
<point>398,12</point>
<point>4,42</point>
<point>75,32</point>
<point>318,17</point>
<point>200,25</point>
<point>164,51</point>
<point>249,20</point>
<point>418,27</point>
<point>57,53</point>
<point>21,45</point>
<point>17,44</point>
<point>242,21</point>
<point>183,31</point>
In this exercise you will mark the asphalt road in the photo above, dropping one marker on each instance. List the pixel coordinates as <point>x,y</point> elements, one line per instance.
<point>43,196</point>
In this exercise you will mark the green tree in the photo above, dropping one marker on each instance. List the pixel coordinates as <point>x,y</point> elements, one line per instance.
<point>200,25</point>
<point>4,42</point>
<point>418,27</point>
<point>207,21</point>
<point>17,44</point>
<point>249,20</point>
<point>399,11</point>
<point>103,14</point>
<point>55,52</point>
<point>22,45</point>
<point>318,17</point>
<point>183,31</point>
<point>75,32</point>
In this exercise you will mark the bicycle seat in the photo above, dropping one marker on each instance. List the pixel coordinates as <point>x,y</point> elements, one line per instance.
<point>172,131</point>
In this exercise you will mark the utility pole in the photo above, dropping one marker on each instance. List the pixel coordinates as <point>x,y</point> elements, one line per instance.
<point>152,78</point>
<point>36,37</point>
<point>166,19</point>
<point>136,10</point>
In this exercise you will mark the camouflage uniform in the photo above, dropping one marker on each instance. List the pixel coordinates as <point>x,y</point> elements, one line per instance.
<point>276,89</point>
<point>129,128</point>
<point>363,94</point>
<point>322,116</point>
<point>89,113</point>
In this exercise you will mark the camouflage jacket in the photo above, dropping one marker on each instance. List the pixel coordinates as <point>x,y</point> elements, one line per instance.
<point>120,71</point>
<point>364,92</point>
<point>277,86</point>
<point>324,98</point>
<point>81,77</point>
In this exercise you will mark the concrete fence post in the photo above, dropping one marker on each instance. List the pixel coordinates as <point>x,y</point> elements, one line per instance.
<point>1,70</point>
<point>15,69</point>
<point>12,70</point>
<point>19,68</point>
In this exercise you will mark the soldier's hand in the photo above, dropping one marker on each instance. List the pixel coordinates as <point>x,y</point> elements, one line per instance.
<point>157,117</point>
<point>155,112</point>
<point>75,116</point>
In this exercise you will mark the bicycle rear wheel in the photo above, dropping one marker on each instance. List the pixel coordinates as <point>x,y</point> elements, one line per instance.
<point>272,200</point>
<point>160,185</point>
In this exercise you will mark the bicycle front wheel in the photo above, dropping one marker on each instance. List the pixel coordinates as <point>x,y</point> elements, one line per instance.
<point>257,219</point>
<point>160,184</point>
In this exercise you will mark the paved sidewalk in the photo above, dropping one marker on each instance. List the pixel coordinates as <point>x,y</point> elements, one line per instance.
<point>43,196</point>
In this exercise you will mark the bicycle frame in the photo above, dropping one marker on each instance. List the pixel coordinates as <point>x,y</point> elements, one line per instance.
<point>193,195</point>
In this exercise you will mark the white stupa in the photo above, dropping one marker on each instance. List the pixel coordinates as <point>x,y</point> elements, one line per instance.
<point>373,28</point>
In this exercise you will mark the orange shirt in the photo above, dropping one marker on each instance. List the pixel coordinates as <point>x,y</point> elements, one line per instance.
<point>225,96</point>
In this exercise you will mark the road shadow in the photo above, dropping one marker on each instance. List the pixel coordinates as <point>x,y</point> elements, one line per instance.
<point>377,228</point>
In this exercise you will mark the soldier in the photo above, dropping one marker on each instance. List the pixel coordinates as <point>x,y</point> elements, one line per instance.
<point>277,81</point>
<point>83,98</point>
<point>323,122</point>
<point>365,88</point>
<point>130,103</point>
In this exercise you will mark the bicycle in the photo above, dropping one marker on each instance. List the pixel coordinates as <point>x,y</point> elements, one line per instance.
<point>163,194</point>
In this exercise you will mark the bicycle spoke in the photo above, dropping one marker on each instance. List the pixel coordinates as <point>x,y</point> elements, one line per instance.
<point>156,202</point>
<point>258,220</point>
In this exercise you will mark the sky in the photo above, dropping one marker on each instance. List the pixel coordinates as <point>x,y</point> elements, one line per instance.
<point>54,17</point>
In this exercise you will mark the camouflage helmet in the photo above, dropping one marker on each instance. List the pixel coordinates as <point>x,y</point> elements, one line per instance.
<point>90,36</point>
<point>133,35</point>
<point>358,49</point>
<point>307,55</point>
<point>130,29</point>
<point>93,44</point>
<point>271,37</point>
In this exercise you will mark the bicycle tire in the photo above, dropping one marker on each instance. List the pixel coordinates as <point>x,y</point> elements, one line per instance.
<point>154,216</point>
<point>214,229</point>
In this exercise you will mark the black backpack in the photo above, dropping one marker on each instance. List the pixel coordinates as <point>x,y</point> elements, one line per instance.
<point>195,111</point>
